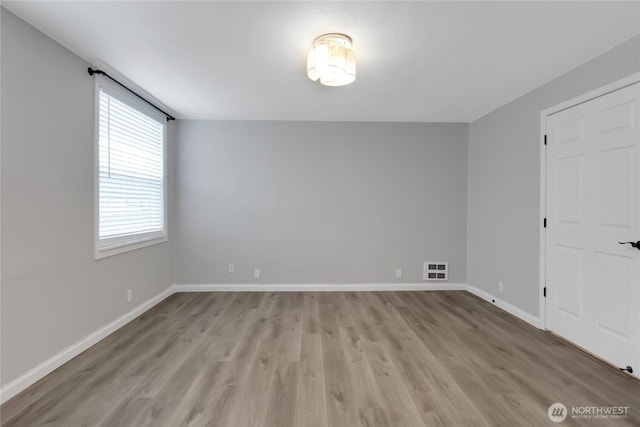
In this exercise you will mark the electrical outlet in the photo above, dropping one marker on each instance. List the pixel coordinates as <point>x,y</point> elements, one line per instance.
<point>129,295</point>
<point>501,286</point>
<point>256,273</point>
<point>230,268</point>
<point>398,273</point>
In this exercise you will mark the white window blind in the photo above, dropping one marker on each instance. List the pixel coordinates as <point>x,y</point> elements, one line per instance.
<point>131,184</point>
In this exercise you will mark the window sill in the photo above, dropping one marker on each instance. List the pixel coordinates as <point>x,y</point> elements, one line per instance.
<point>127,247</point>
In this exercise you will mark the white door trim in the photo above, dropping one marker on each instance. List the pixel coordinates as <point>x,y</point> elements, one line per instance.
<point>612,87</point>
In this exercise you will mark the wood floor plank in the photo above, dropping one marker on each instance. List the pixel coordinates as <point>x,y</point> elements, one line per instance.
<point>398,406</point>
<point>310,313</point>
<point>440,401</point>
<point>367,392</point>
<point>291,321</point>
<point>170,401</point>
<point>469,371</point>
<point>324,359</point>
<point>122,415</point>
<point>269,364</point>
<point>283,396</point>
<point>340,390</point>
<point>420,370</point>
<point>339,306</point>
<point>311,408</point>
<point>183,338</point>
<point>93,409</point>
<point>198,404</point>
<point>362,319</point>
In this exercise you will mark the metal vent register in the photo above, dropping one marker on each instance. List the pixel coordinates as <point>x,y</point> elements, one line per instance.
<point>436,270</point>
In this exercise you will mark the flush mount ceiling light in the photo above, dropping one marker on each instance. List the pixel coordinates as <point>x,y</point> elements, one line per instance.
<point>331,60</point>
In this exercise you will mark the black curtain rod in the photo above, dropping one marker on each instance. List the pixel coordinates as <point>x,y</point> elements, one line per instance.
<point>92,72</point>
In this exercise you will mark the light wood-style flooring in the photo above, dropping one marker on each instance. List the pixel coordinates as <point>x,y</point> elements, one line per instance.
<point>324,359</point>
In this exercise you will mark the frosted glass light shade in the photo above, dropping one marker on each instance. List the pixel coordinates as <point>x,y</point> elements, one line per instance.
<point>331,60</point>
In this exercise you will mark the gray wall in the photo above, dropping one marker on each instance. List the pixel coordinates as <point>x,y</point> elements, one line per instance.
<point>53,292</point>
<point>504,174</point>
<point>319,202</point>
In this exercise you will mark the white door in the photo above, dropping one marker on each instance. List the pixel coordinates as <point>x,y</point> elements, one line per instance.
<point>593,202</point>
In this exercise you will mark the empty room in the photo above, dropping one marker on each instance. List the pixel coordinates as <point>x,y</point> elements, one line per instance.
<point>319,214</point>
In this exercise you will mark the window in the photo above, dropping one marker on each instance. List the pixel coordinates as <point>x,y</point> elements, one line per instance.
<point>130,172</point>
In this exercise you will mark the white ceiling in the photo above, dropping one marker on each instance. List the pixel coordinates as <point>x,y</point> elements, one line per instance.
<point>416,61</point>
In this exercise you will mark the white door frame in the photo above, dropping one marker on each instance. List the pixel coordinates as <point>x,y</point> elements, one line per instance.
<point>612,87</point>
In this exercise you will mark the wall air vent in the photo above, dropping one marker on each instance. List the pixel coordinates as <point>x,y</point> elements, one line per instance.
<point>435,270</point>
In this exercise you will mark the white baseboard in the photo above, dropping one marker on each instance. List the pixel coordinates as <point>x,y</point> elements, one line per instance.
<point>320,287</point>
<point>49,365</point>
<point>509,308</point>
<point>40,371</point>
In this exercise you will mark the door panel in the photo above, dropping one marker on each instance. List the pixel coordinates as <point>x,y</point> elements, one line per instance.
<point>612,288</point>
<point>571,130</point>
<point>570,175</point>
<point>617,117</point>
<point>593,202</point>
<point>615,187</point>
<point>570,267</point>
